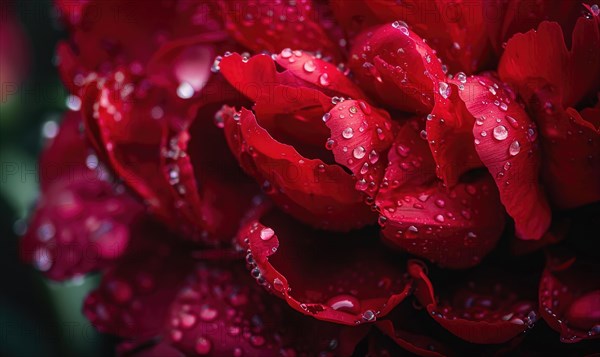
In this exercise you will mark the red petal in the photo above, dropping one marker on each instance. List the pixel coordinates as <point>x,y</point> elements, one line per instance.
<point>570,143</point>
<point>353,17</point>
<point>569,296</point>
<point>320,194</point>
<point>133,298</point>
<point>454,29</point>
<point>514,16</point>
<point>80,225</point>
<point>114,33</point>
<point>555,234</point>
<point>505,139</point>
<point>223,312</point>
<point>284,97</point>
<point>453,228</point>
<point>410,163</point>
<point>226,193</point>
<point>189,61</point>
<point>394,64</point>
<point>264,25</point>
<point>540,58</point>
<point>153,136</point>
<point>319,73</point>
<point>411,330</point>
<point>16,54</point>
<point>413,206</point>
<point>134,142</point>
<point>450,134</point>
<point>360,138</point>
<point>284,92</point>
<point>348,279</point>
<point>489,305</point>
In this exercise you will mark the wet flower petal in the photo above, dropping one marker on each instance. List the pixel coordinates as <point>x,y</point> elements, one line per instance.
<point>510,153</point>
<point>569,296</point>
<point>362,283</point>
<point>221,311</point>
<point>134,295</point>
<point>479,308</point>
<point>397,67</point>
<point>313,191</point>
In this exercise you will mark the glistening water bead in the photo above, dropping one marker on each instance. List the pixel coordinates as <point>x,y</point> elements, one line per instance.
<point>500,132</point>
<point>359,152</point>
<point>514,148</point>
<point>348,133</point>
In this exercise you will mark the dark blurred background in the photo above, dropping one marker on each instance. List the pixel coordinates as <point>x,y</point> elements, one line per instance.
<point>37,317</point>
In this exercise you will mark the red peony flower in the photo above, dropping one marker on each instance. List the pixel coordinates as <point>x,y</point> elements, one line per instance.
<point>344,178</point>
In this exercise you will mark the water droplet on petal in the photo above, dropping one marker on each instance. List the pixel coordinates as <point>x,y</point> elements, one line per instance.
<point>402,26</point>
<point>514,148</point>
<point>309,66</point>
<point>203,346</point>
<point>461,77</point>
<point>412,232</point>
<point>326,117</point>
<point>359,152</point>
<point>266,233</point>
<point>278,284</point>
<point>500,132</point>
<point>208,313</point>
<point>324,79</point>
<point>364,107</point>
<point>361,185</point>
<point>364,169</point>
<point>286,53</point>
<point>187,321</point>
<point>373,157</point>
<point>330,144</point>
<point>185,90</point>
<point>531,134</point>
<point>73,102</point>
<point>346,303</point>
<point>348,133</point>
<point>444,89</point>
<point>369,316</point>
<point>512,121</point>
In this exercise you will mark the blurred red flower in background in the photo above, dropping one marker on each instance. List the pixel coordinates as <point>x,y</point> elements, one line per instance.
<point>353,156</point>
<point>14,53</point>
